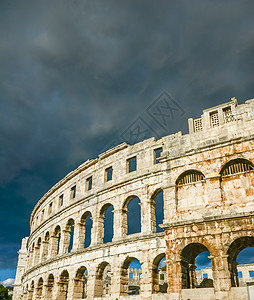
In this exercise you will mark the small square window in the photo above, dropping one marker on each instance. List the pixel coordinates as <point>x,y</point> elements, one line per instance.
<point>240,274</point>
<point>50,207</point>
<point>157,154</point>
<point>61,198</point>
<point>89,183</point>
<point>132,164</point>
<point>251,273</point>
<point>205,275</point>
<point>109,174</point>
<point>73,192</point>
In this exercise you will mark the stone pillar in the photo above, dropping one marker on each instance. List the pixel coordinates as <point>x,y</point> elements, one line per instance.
<point>118,220</point>
<point>174,270</point>
<point>75,244</point>
<point>193,278</point>
<point>146,217</point>
<point>80,236</point>
<point>44,251</point>
<point>170,204</point>
<point>116,282</point>
<point>96,233</point>
<point>65,241</point>
<point>48,292</point>
<point>146,279</point>
<point>221,276</point>
<point>53,246</point>
<point>91,278</point>
<point>36,255</point>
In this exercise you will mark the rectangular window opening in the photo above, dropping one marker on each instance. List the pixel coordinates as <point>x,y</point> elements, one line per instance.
<point>240,274</point>
<point>73,192</point>
<point>61,197</point>
<point>157,154</point>
<point>109,174</point>
<point>132,164</point>
<point>50,208</point>
<point>205,275</point>
<point>214,118</point>
<point>42,215</point>
<point>251,273</point>
<point>89,183</point>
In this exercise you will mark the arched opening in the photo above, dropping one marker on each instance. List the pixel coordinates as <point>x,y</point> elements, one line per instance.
<point>107,222</point>
<point>87,224</point>
<point>39,287</point>
<point>56,238</point>
<point>103,280</point>
<point>240,261</point>
<point>49,287</point>
<point>132,217</point>
<point>236,166</point>
<point>80,283</point>
<point>158,210</point>
<point>63,285</point>
<point>237,173</point>
<point>195,262</point>
<point>130,276</point>
<point>69,235</point>
<point>190,190</point>
<point>159,274</point>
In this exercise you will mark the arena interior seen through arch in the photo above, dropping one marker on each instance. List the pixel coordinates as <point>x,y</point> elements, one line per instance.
<point>131,223</point>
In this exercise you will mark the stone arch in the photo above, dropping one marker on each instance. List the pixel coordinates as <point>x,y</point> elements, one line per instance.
<point>233,250</point>
<point>236,181</point>
<point>190,190</point>
<point>159,283</point>
<point>106,223</point>
<point>85,236</point>
<point>126,286</point>
<point>80,283</point>
<point>68,236</point>
<point>188,256</point>
<point>63,285</point>
<point>49,287</point>
<point>103,280</point>
<point>131,215</point>
<point>157,210</point>
<point>235,166</point>
<point>39,289</point>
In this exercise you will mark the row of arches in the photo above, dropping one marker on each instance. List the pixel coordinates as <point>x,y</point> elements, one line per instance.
<point>193,251</point>
<point>98,283</point>
<point>78,234</point>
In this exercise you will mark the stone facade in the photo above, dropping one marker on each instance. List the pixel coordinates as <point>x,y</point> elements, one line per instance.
<point>207,181</point>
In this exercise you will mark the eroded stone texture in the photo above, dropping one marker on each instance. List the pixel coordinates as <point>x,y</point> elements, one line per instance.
<point>207,180</point>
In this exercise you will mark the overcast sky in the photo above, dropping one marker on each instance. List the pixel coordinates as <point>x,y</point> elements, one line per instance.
<point>75,75</point>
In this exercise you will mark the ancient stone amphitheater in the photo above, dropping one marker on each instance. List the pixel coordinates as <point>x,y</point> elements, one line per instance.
<point>206,179</point>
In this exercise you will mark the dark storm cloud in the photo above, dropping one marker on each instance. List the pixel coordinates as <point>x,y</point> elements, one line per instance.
<point>75,74</point>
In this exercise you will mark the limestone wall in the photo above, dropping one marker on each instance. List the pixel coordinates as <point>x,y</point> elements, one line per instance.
<point>207,179</point>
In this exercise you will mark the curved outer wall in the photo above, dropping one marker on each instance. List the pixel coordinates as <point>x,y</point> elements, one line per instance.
<point>213,212</point>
